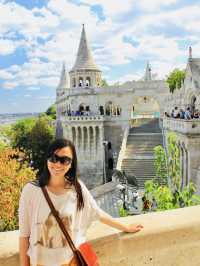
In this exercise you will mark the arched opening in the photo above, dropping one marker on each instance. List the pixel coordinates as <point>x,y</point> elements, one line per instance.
<point>85,140</point>
<point>108,108</point>
<point>101,110</point>
<point>97,141</point>
<point>88,82</point>
<point>79,139</point>
<point>91,138</point>
<point>80,82</point>
<point>145,107</point>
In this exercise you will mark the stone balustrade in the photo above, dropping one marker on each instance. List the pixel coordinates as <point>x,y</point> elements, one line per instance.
<point>170,238</point>
<point>84,118</point>
<point>90,118</point>
<point>188,127</point>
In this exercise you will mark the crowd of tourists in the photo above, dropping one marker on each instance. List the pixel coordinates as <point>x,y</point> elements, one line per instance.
<point>183,114</point>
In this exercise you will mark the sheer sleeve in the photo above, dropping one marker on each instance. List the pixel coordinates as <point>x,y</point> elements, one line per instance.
<point>24,212</point>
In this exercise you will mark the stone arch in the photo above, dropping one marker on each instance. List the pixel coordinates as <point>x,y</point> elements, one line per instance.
<point>85,138</point>
<point>145,106</point>
<point>79,137</point>
<point>108,108</point>
<point>97,141</point>
<point>91,138</point>
<point>80,81</point>
<point>88,82</point>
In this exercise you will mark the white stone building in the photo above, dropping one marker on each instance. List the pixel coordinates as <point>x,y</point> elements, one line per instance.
<point>89,114</point>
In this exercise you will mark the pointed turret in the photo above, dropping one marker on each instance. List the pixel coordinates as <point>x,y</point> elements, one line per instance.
<point>84,59</point>
<point>147,76</point>
<point>85,72</point>
<point>190,52</point>
<point>63,84</point>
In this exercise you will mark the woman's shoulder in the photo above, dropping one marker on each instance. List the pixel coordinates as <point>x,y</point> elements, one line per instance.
<point>30,187</point>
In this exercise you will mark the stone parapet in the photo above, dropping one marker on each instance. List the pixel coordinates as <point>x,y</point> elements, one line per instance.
<point>170,238</point>
<point>84,118</point>
<point>188,127</point>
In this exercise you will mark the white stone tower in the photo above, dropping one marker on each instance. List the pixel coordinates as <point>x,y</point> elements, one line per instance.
<point>85,72</point>
<point>148,76</point>
<point>64,82</point>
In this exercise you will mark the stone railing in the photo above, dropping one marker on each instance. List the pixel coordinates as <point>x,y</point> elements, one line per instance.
<point>90,118</point>
<point>83,118</point>
<point>191,127</point>
<point>169,238</point>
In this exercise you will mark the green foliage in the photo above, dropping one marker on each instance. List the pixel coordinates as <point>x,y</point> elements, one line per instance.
<point>175,79</point>
<point>122,212</point>
<point>40,137</point>
<point>174,169</point>
<point>104,83</point>
<point>33,136</point>
<point>51,111</point>
<point>19,133</point>
<point>169,196</point>
<point>160,162</point>
<point>14,174</point>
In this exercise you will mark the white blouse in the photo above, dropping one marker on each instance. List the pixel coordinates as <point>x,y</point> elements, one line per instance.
<point>47,244</point>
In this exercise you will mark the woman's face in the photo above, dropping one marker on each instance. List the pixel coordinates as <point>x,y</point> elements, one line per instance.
<point>57,168</point>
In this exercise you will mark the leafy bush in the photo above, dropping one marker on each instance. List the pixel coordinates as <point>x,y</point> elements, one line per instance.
<point>32,136</point>
<point>14,174</point>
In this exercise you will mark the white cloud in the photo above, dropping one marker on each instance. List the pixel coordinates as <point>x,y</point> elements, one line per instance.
<point>128,77</point>
<point>8,46</point>
<point>62,21</point>
<point>112,7</point>
<point>33,88</point>
<point>154,5</point>
<point>5,75</point>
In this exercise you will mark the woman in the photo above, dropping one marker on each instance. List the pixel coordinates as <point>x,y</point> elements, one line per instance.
<point>41,241</point>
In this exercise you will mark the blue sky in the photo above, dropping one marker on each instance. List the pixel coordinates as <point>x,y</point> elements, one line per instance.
<point>36,36</point>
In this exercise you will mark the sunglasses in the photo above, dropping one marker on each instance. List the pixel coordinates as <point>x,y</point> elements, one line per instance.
<point>62,159</point>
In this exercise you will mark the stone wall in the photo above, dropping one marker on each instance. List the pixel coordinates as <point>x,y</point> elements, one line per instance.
<point>170,238</point>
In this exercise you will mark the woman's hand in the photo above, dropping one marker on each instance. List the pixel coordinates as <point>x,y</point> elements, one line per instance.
<point>133,228</point>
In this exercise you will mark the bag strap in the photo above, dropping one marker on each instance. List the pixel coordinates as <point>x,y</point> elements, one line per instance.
<point>58,219</point>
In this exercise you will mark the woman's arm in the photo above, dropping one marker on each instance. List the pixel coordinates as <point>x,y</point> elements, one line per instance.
<point>109,220</point>
<point>23,248</point>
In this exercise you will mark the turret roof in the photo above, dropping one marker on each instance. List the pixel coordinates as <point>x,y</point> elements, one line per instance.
<point>84,59</point>
<point>63,79</point>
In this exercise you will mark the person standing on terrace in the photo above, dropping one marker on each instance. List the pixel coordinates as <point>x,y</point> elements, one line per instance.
<point>41,242</point>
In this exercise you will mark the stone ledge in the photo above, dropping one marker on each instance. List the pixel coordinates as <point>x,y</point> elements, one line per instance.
<point>170,238</point>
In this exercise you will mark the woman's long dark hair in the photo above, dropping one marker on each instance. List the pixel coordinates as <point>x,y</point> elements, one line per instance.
<point>71,175</point>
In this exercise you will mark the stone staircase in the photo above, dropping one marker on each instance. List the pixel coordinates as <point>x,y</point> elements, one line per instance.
<point>138,157</point>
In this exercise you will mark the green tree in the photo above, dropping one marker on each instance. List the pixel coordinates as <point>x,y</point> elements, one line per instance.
<point>172,195</point>
<point>160,163</point>
<point>175,79</point>
<point>174,169</point>
<point>51,111</point>
<point>19,134</point>
<point>41,135</point>
<point>104,83</point>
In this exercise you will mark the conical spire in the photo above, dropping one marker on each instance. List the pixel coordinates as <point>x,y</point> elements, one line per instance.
<point>190,53</point>
<point>63,79</point>
<point>84,58</point>
<point>147,76</point>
